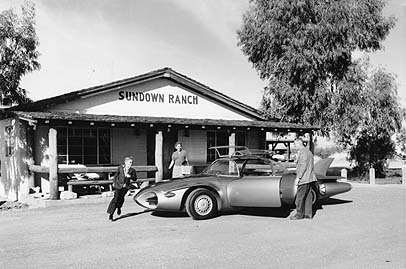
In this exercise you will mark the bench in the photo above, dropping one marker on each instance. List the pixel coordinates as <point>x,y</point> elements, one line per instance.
<point>91,175</point>
<point>82,171</point>
<point>72,183</point>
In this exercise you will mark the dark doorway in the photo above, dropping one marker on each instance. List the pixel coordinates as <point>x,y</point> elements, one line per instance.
<point>170,139</point>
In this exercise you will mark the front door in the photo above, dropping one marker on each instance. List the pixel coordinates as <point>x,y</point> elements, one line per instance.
<point>169,140</point>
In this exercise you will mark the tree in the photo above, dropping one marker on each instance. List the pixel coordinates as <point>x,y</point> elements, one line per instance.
<point>18,52</point>
<point>304,48</point>
<point>401,142</point>
<point>367,125</point>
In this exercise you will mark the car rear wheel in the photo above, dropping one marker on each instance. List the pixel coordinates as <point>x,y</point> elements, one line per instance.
<point>201,204</point>
<point>314,197</point>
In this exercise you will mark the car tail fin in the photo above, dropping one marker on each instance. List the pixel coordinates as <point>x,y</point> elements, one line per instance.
<point>320,168</point>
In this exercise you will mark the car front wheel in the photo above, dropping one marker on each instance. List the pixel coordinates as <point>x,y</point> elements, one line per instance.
<point>201,204</point>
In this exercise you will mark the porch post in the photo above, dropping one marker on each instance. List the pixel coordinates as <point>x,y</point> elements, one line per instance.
<point>231,143</point>
<point>159,156</point>
<point>53,165</point>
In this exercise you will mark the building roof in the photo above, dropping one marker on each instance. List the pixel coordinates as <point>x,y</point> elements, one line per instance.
<point>38,111</point>
<point>36,116</point>
<point>166,73</point>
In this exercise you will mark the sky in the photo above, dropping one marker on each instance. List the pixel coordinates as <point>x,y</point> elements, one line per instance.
<point>84,43</point>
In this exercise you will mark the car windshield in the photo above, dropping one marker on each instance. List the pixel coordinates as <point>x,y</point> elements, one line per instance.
<point>223,167</point>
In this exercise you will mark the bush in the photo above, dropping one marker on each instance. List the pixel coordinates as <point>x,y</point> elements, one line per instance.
<point>325,152</point>
<point>372,151</point>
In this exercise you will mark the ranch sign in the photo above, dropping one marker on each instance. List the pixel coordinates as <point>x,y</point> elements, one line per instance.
<point>147,97</point>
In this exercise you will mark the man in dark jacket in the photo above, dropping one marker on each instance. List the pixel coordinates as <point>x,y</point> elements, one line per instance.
<point>122,183</point>
<point>305,178</point>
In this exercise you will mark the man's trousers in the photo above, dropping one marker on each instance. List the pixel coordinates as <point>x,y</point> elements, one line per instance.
<point>304,200</point>
<point>118,200</point>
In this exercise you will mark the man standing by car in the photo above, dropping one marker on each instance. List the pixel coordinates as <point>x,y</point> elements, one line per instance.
<point>305,178</point>
<point>121,183</point>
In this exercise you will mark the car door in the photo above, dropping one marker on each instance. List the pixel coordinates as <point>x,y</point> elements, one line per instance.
<point>256,188</point>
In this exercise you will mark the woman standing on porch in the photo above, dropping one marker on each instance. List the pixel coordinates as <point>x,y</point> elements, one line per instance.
<point>122,183</point>
<point>179,158</point>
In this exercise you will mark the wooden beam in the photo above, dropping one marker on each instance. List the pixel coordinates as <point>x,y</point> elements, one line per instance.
<point>89,169</point>
<point>102,182</point>
<point>38,168</point>
<point>53,165</point>
<point>159,156</point>
<point>231,143</point>
<point>103,169</point>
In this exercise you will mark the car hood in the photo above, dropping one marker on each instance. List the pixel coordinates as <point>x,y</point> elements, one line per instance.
<point>179,183</point>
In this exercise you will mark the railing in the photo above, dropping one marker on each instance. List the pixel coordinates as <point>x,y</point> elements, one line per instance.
<point>89,169</point>
<point>79,169</point>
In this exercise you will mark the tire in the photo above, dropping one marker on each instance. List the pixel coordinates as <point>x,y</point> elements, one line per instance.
<point>314,200</point>
<point>201,204</point>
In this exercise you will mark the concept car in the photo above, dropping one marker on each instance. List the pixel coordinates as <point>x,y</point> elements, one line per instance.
<point>232,183</point>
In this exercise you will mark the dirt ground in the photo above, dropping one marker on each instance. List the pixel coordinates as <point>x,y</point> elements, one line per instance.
<point>364,228</point>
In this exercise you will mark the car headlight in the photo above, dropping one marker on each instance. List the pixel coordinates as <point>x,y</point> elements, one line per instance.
<point>148,200</point>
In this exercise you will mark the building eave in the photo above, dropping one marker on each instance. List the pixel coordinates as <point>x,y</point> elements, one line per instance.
<point>127,120</point>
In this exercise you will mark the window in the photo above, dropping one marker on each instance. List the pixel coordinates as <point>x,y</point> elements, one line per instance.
<point>240,138</point>
<point>83,145</point>
<point>104,146</point>
<point>216,138</point>
<point>220,138</point>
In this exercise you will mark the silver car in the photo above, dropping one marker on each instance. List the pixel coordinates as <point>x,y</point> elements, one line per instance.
<point>232,183</point>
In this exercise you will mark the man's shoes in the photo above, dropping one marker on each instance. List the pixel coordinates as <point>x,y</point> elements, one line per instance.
<point>118,211</point>
<point>308,217</point>
<point>111,217</point>
<point>296,217</point>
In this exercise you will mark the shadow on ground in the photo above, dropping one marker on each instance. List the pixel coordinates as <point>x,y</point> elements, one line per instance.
<point>128,215</point>
<point>281,212</point>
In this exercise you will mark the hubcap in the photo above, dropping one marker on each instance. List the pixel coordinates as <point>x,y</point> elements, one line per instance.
<point>203,205</point>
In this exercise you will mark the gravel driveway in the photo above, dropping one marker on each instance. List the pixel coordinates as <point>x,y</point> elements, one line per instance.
<point>364,228</point>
